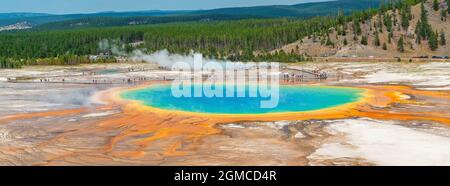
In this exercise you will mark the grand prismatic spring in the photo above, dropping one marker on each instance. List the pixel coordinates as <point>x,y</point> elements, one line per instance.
<point>291,99</point>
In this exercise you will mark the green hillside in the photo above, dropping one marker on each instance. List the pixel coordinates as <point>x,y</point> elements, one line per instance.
<point>305,10</point>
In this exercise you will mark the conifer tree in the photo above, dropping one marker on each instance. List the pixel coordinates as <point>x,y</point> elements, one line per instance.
<point>443,15</point>
<point>329,42</point>
<point>435,5</point>
<point>418,39</point>
<point>364,40</point>
<point>448,6</point>
<point>433,41</point>
<point>442,40</point>
<point>423,28</point>
<point>404,19</point>
<point>377,40</point>
<point>390,35</point>
<point>400,44</point>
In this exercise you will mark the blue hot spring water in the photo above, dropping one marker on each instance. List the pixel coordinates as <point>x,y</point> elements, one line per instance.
<point>292,98</point>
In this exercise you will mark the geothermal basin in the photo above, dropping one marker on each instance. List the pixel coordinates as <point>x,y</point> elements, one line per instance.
<point>107,114</point>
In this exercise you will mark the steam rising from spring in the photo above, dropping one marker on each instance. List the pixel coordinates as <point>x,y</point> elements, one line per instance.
<point>115,46</point>
<point>164,58</point>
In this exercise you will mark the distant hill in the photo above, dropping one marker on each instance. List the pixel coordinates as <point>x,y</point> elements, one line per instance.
<point>92,22</point>
<point>38,19</point>
<point>305,10</point>
<point>20,15</point>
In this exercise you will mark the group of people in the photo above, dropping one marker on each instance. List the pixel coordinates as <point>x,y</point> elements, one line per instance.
<point>316,74</point>
<point>44,80</point>
<point>132,80</point>
<point>292,76</point>
<point>323,75</point>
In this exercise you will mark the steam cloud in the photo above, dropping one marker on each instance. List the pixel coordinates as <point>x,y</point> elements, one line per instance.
<point>114,46</point>
<point>166,59</point>
<point>163,57</point>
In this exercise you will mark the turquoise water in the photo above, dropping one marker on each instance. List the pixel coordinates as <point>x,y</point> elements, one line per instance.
<point>109,71</point>
<point>291,99</point>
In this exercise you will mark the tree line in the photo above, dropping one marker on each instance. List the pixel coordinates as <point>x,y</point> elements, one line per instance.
<point>240,40</point>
